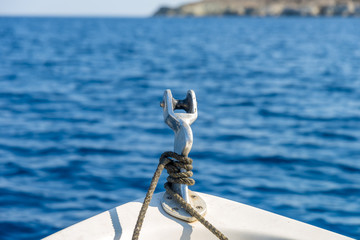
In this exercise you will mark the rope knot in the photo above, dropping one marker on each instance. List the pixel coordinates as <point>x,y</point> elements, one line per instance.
<point>173,168</point>
<point>176,176</point>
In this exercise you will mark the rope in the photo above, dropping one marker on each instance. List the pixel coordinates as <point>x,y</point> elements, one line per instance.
<point>175,176</point>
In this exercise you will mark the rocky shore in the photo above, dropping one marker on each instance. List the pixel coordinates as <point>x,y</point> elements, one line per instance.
<point>346,8</point>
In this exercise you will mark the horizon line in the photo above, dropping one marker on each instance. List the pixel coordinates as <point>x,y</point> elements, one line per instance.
<point>75,15</point>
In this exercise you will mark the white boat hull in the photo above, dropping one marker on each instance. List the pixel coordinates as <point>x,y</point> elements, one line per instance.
<point>235,220</point>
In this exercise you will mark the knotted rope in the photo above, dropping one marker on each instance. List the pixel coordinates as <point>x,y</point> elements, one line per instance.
<point>175,176</point>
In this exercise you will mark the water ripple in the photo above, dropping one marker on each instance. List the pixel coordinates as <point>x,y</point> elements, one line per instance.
<point>82,130</point>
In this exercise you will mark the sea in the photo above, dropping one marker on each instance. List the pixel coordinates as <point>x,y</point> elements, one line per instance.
<point>81,127</point>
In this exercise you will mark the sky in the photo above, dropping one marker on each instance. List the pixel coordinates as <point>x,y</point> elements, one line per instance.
<point>141,8</point>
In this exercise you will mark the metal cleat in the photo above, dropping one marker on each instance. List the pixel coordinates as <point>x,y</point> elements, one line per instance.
<point>180,124</point>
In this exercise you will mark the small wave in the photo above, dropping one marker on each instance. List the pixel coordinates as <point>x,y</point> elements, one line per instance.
<point>12,169</point>
<point>99,151</point>
<point>237,104</point>
<point>333,135</point>
<point>354,191</point>
<point>30,151</point>
<point>269,113</point>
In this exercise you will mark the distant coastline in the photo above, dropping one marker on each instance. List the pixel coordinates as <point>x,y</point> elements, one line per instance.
<point>345,8</point>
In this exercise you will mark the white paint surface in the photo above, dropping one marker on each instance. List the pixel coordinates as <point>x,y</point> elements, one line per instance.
<point>235,220</point>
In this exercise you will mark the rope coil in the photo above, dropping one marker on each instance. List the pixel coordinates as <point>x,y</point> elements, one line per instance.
<point>175,176</point>
<point>173,168</point>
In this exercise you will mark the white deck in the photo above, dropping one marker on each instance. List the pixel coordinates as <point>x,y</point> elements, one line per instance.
<point>235,220</point>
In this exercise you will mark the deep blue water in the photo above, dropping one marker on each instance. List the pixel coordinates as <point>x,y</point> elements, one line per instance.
<point>81,129</point>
